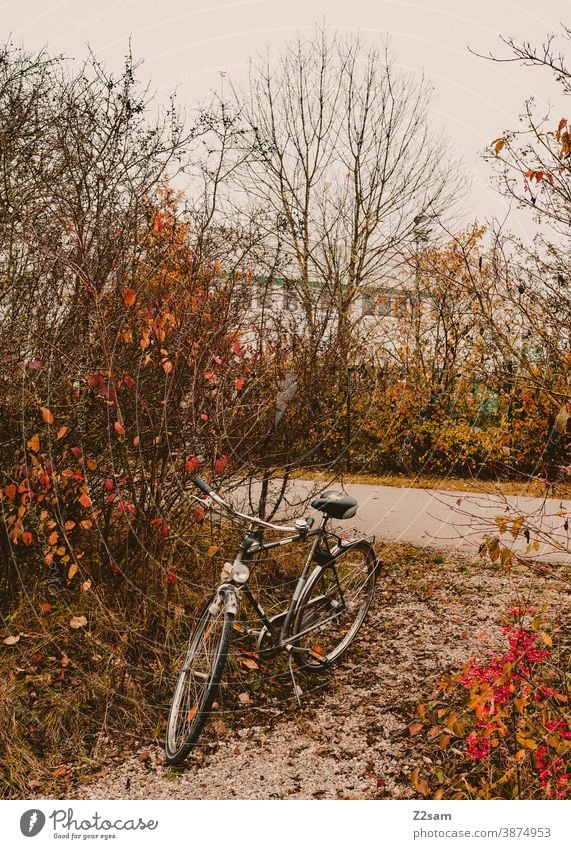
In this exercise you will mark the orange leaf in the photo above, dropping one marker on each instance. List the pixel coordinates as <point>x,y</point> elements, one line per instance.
<point>414,728</point>
<point>62,432</point>
<point>71,571</point>
<point>34,443</point>
<point>129,297</point>
<point>239,383</point>
<point>119,428</point>
<point>53,538</point>
<point>167,366</point>
<point>10,491</point>
<point>85,500</point>
<point>47,415</point>
<point>27,538</point>
<point>249,663</point>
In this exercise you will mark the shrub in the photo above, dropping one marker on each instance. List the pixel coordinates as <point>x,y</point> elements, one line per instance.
<point>502,726</point>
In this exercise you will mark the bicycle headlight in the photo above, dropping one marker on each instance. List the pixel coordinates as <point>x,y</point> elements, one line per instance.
<point>240,573</point>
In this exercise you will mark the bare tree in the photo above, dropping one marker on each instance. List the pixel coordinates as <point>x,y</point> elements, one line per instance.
<point>338,163</point>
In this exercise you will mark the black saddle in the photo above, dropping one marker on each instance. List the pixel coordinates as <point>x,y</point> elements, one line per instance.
<point>336,504</point>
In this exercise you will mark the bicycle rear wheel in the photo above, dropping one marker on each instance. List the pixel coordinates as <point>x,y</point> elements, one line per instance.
<point>198,680</point>
<point>333,605</point>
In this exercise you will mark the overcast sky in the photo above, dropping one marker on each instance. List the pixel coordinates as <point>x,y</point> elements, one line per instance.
<point>186,43</point>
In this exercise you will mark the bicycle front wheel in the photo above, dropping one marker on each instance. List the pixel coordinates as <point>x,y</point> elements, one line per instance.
<point>333,605</point>
<point>202,667</point>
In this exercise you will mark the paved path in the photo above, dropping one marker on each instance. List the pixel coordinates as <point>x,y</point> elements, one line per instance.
<point>459,521</point>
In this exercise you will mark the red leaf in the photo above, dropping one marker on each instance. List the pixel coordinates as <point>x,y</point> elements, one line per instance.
<point>129,297</point>
<point>109,485</point>
<point>236,347</point>
<point>27,538</point>
<point>220,464</point>
<point>204,417</point>
<point>192,465</point>
<point>76,452</point>
<point>239,383</point>
<point>199,513</point>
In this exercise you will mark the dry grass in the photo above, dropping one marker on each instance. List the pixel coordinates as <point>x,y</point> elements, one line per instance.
<point>529,486</point>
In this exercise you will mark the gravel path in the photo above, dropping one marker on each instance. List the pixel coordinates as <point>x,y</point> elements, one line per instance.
<point>350,739</point>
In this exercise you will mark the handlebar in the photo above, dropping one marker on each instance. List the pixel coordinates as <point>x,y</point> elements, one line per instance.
<point>207,490</point>
<point>201,484</point>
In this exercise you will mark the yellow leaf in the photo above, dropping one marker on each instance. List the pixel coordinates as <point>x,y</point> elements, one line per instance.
<point>546,638</point>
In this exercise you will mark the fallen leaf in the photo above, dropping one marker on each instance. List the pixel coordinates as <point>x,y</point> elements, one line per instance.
<point>47,415</point>
<point>62,432</point>
<point>119,428</point>
<point>249,663</point>
<point>129,297</point>
<point>244,698</point>
<point>34,443</point>
<point>213,549</point>
<point>414,728</point>
<point>11,640</point>
<point>71,571</point>
<point>78,622</point>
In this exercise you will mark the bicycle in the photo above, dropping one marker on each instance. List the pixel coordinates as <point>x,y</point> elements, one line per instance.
<point>328,607</point>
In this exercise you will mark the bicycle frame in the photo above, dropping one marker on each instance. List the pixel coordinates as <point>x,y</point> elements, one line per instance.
<point>252,544</point>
